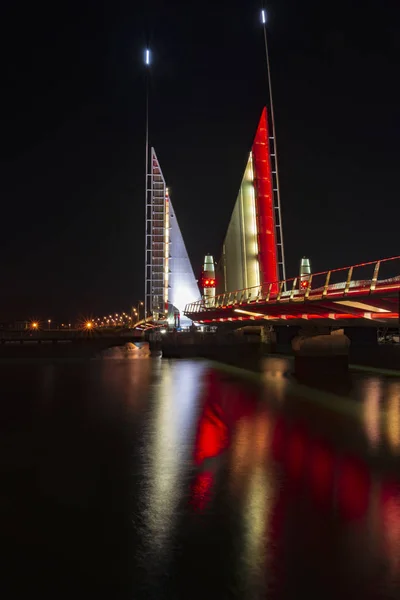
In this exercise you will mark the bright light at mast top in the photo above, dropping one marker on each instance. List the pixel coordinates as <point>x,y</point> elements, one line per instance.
<point>263,17</point>
<point>147,56</point>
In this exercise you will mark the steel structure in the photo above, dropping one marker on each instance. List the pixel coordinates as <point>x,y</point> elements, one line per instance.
<point>273,152</point>
<point>147,191</point>
<point>169,277</point>
<point>208,280</point>
<point>250,255</point>
<point>156,265</point>
<point>368,291</point>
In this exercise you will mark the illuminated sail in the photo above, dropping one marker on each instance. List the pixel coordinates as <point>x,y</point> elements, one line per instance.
<point>250,255</point>
<point>170,281</point>
<point>182,283</point>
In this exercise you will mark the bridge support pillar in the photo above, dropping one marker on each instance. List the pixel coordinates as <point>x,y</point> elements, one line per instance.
<point>362,336</point>
<point>321,356</point>
<point>155,343</point>
<point>268,338</point>
<point>366,350</point>
<point>283,339</point>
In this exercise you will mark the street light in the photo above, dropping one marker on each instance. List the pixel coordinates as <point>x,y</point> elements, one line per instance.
<point>146,173</point>
<point>140,303</point>
<point>49,321</point>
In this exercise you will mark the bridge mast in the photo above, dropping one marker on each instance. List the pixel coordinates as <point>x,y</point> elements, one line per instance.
<point>274,162</point>
<point>147,207</point>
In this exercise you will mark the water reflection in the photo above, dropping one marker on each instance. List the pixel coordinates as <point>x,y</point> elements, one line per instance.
<point>280,469</point>
<point>169,432</point>
<point>390,524</point>
<point>274,374</point>
<point>372,391</point>
<point>393,417</point>
<point>169,479</point>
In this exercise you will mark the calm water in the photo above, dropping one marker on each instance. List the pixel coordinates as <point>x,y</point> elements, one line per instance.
<point>167,479</point>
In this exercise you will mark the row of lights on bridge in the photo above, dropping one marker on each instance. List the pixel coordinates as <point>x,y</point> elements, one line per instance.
<point>112,320</point>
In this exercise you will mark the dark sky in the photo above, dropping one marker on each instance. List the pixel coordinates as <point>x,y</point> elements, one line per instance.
<point>72,136</point>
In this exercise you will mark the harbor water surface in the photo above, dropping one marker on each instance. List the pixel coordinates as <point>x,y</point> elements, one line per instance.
<point>149,478</point>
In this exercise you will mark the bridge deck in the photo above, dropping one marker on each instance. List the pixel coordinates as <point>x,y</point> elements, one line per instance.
<point>368,292</point>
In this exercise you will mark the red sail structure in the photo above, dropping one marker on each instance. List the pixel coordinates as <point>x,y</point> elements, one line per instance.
<point>263,185</point>
<point>250,249</point>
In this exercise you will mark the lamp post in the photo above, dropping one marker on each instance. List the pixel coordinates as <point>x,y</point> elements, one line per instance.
<point>147,217</point>
<point>135,312</point>
<point>140,303</point>
<point>49,322</point>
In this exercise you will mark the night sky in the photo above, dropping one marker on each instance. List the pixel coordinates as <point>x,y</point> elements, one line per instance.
<point>72,133</point>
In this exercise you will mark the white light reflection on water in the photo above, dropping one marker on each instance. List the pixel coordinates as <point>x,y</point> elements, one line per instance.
<point>274,375</point>
<point>372,394</point>
<point>393,416</point>
<point>175,408</point>
<point>257,511</point>
<point>251,482</point>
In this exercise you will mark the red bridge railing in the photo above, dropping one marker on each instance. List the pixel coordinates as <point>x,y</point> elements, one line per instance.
<point>375,277</point>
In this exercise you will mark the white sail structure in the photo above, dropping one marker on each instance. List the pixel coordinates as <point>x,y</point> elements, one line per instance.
<point>169,279</point>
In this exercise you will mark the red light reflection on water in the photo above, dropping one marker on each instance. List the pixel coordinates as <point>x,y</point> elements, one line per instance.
<point>201,490</point>
<point>390,521</point>
<point>224,404</point>
<point>297,445</point>
<point>353,487</point>
<point>322,472</point>
<point>212,435</point>
<point>307,460</point>
<point>301,468</point>
<point>279,437</point>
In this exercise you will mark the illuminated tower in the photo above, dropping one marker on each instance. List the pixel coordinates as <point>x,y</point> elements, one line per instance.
<point>273,158</point>
<point>250,255</point>
<point>169,283</point>
<point>169,279</point>
<point>156,282</point>
<point>208,280</point>
<point>305,272</point>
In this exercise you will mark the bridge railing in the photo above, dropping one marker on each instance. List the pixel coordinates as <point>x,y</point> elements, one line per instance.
<point>362,279</point>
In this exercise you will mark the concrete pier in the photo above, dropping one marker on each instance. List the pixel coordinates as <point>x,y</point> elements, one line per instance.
<point>321,355</point>
<point>318,354</point>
